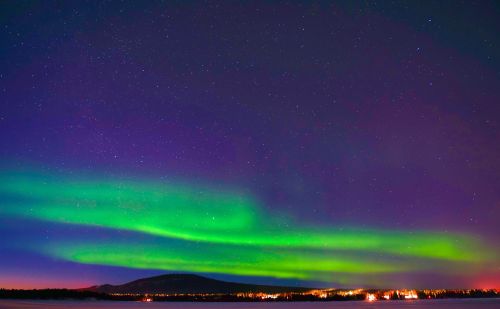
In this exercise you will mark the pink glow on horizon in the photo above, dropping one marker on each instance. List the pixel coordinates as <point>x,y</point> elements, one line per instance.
<point>488,281</point>
<point>27,282</point>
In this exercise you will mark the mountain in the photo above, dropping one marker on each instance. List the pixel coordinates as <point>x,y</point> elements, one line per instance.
<point>188,284</point>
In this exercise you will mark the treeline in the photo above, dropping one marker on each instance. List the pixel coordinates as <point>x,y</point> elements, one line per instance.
<point>58,294</point>
<point>87,295</point>
<point>459,294</point>
<point>90,295</point>
<point>235,298</point>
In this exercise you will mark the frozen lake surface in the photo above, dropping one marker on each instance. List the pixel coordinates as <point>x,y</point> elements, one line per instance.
<point>416,304</point>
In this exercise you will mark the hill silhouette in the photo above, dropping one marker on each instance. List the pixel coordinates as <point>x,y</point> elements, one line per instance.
<point>188,284</point>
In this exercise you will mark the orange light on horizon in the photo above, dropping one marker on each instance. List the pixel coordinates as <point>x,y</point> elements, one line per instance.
<point>411,295</point>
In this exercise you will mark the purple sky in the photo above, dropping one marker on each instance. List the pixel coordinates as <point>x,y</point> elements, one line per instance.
<point>375,115</point>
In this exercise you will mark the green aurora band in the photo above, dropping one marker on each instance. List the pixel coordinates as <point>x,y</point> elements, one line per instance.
<point>231,232</point>
<point>227,259</point>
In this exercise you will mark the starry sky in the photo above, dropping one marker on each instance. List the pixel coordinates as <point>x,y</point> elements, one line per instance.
<point>342,144</point>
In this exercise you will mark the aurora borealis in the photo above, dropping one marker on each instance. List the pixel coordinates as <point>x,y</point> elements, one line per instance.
<point>322,144</point>
<point>196,228</point>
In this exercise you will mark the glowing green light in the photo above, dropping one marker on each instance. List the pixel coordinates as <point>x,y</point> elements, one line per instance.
<point>226,222</point>
<point>281,263</point>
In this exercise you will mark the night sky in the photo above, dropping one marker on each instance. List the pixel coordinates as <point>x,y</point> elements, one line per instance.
<point>341,144</point>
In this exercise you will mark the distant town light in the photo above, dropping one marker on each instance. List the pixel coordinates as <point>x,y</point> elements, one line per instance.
<point>411,295</point>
